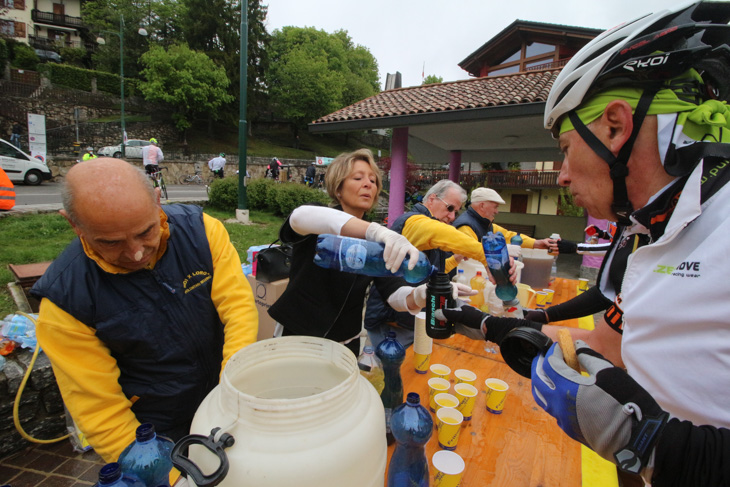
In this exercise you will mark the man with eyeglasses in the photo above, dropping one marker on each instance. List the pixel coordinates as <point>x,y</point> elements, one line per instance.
<point>428,227</point>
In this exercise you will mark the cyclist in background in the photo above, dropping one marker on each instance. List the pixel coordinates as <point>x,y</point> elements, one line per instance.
<point>152,156</point>
<point>216,165</point>
<point>89,154</point>
<point>310,174</point>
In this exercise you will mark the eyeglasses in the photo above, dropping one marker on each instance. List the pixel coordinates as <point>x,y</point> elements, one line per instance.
<point>449,208</point>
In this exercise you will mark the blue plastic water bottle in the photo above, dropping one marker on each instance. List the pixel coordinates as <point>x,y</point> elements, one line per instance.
<point>497,255</point>
<point>360,256</point>
<point>516,240</point>
<point>392,354</point>
<point>412,427</point>
<point>110,475</point>
<point>148,457</point>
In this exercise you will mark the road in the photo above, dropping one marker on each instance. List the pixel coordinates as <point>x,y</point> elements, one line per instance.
<point>48,195</point>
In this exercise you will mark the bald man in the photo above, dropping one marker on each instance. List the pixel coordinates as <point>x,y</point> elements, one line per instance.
<point>140,313</point>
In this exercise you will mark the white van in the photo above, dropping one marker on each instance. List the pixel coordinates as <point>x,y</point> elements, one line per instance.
<point>20,167</point>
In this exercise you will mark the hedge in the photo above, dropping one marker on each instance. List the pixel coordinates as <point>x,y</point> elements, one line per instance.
<point>80,79</point>
<point>264,195</point>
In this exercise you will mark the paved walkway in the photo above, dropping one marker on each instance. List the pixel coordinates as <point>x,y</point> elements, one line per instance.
<point>52,465</point>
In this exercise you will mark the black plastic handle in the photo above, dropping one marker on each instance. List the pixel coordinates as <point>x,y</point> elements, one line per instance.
<point>184,464</point>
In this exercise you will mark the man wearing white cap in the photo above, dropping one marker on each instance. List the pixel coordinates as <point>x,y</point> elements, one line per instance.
<point>478,220</point>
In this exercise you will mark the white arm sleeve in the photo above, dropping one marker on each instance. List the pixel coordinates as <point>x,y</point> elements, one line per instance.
<point>306,220</point>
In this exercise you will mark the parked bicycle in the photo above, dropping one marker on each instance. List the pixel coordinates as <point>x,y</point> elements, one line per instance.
<point>158,181</point>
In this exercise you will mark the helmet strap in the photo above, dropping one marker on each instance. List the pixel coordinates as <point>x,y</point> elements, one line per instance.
<point>618,165</point>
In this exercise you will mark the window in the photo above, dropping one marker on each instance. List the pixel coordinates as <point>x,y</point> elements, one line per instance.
<point>7,28</point>
<point>513,57</point>
<point>537,48</point>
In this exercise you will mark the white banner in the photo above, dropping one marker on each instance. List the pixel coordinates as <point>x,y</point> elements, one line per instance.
<point>37,136</point>
<point>323,161</point>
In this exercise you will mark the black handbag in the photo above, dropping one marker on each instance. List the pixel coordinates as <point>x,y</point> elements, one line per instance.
<point>273,263</point>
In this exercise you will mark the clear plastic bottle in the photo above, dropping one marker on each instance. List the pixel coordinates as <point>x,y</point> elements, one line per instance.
<point>477,284</point>
<point>148,457</point>
<point>392,354</point>
<point>111,475</point>
<point>495,251</point>
<point>412,427</point>
<point>371,368</point>
<point>460,277</point>
<point>360,256</point>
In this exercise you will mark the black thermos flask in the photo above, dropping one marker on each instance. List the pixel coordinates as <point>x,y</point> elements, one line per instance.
<point>438,296</point>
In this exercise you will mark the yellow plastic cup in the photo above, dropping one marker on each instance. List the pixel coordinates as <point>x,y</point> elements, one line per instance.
<point>541,299</point>
<point>449,468</point>
<point>440,370</point>
<point>445,400</point>
<point>582,286</point>
<point>421,361</point>
<point>467,396</point>
<point>436,385</point>
<point>464,375</point>
<point>449,427</point>
<point>551,295</point>
<point>496,390</point>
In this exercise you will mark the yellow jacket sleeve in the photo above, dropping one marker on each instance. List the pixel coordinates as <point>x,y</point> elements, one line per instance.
<point>527,242</point>
<point>426,233</point>
<point>231,292</point>
<point>88,378</point>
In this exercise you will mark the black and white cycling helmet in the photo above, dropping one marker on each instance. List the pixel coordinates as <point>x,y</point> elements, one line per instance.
<point>654,48</point>
<point>648,53</point>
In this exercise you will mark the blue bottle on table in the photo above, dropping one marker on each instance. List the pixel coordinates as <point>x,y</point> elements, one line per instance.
<point>497,255</point>
<point>392,354</point>
<point>110,475</point>
<point>148,457</point>
<point>412,427</point>
<point>360,256</point>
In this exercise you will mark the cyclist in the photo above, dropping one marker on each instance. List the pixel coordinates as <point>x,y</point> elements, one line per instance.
<point>216,165</point>
<point>310,174</point>
<point>152,156</point>
<point>89,154</point>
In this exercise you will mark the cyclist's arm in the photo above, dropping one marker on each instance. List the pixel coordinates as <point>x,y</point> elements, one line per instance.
<point>160,155</point>
<point>231,293</point>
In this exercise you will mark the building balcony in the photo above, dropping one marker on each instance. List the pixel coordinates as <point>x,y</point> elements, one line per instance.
<point>524,179</point>
<point>51,44</point>
<point>56,19</point>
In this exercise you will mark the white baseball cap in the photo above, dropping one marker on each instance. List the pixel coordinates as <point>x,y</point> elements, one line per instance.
<point>486,194</point>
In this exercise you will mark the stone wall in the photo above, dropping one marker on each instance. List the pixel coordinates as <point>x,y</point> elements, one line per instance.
<point>41,408</point>
<point>179,169</point>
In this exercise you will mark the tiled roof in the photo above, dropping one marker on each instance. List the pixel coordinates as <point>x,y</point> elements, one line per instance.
<point>485,92</point>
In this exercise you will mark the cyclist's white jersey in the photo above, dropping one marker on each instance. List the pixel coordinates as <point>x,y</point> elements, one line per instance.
<point>151,155</point>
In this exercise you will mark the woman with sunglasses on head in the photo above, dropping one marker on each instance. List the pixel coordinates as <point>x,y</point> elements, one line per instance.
<point>326,302</point>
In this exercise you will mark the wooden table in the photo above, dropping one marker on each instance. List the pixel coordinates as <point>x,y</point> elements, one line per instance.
<point>521,447</point>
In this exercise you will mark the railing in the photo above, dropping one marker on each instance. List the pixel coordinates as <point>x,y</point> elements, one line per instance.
<point>51,44</point>
<point>552,65</point>
<point>56,19</point>
<point>523,179</point>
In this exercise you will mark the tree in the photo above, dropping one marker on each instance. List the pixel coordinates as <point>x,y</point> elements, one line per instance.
<point>212,26</point>
<point>314,73</point>
<point>432,79</point>
<point>188,81</point>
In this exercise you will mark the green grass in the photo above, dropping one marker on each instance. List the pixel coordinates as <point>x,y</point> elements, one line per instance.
<point>29,239</point>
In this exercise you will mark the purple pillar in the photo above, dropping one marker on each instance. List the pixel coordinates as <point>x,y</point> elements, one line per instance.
<point>398,161</point>
<point>455,165</point>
